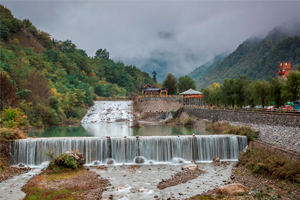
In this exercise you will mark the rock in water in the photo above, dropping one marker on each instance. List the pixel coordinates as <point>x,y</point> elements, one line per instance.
<point>139,159</point>
<point>110,161</point>
<point>190,166</point>
<point>217,159</point>
<point>232,189</point>
<point>77,156</point>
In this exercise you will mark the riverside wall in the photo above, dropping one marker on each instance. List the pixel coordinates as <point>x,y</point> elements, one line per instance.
<point>272,119</point>
<point>281,130</point>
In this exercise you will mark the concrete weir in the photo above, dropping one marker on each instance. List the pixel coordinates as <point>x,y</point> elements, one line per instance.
<point>125,150</point>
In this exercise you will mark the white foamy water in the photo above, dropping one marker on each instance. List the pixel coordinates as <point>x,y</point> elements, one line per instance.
<point>109,111</point>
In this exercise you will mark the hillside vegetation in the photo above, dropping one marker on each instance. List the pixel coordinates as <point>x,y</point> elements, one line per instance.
<point>257,58</point>
<point>47,81</point>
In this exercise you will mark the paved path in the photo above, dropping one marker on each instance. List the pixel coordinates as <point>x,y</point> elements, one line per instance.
<point>11,188</point>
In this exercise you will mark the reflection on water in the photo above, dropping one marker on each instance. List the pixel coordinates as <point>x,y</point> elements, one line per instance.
<point>116,129</point>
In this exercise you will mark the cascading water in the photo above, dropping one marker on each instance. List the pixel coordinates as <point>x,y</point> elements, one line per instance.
<point>199,148</point>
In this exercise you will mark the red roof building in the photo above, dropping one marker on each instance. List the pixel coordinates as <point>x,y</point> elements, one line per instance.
<point>284,69</point>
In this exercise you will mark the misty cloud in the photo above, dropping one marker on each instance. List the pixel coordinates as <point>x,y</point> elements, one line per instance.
<point>181,35</point>
<point>165,35</point>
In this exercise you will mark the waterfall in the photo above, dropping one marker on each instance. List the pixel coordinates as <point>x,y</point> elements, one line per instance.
<point>109,111</point>
<point>32,151</point>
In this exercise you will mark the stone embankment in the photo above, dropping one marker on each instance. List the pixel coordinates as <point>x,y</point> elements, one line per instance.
<point>281,136</point>
<point>282,130</point>
<point>265,118</point>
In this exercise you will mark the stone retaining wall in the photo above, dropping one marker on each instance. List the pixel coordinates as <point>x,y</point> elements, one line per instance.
<point>273,119</point>
<point>158,114</point>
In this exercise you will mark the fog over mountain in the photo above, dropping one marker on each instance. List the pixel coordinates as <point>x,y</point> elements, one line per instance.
<point>166,36</point>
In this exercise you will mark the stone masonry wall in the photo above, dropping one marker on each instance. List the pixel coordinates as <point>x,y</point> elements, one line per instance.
<point>273,119</point>
<point>281,130</point>
<point>160,104</point>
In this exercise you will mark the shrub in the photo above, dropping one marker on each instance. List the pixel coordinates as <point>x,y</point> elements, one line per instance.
<point>12,134</point>
<point>12,118</point>
<point>226,128</point>
<point>177,112</point>
<point>267,162</point>
<point>188,121</point>
<point>64,160</point>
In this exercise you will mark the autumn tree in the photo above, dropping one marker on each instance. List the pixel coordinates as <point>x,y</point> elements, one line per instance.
<point>8,95</point>
<point>170,82</point>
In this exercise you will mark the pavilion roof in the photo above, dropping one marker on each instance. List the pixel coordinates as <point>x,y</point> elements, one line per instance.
<point>191,92</point>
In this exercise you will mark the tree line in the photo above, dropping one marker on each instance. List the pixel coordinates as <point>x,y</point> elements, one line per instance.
<point>241,91</point>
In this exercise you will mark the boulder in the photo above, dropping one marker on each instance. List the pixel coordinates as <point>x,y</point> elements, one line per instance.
<point>77,156</point>
<point>190,166</point>
<point>110,161</point>
<point>139,159</point>
<point>232,189</point>
<point>178,160</point>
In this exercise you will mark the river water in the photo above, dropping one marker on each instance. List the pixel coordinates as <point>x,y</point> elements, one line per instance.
<point>102,129</point>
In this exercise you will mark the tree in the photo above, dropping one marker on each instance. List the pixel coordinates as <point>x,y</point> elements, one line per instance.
<point>240,90</point>
<point>293,86</point>
<point>102,53</point>
<point>276,86</point>
<point>260,91</point>
<point>154,76</point>
<point>8,95</point>
<point>228,91</point>
<point>185,83</point>
<point>170,82</point>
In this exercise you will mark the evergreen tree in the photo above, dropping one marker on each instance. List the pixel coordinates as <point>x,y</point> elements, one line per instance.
<point>170,82</point>
<point>154,76</point>
<point>185,83</point>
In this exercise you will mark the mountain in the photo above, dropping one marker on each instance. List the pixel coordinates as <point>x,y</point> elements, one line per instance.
<point>258,58</point>
<point>200,72</point>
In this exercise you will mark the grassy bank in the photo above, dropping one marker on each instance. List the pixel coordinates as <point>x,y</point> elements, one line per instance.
<point>226,128</point>
<point>268,163</point>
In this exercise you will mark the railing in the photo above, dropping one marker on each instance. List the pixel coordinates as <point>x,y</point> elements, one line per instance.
<point>274,110</point>
<point>114,98</point>
<point>158,96</point>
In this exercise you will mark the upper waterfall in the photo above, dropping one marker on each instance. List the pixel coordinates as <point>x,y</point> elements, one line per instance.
<point>109,111</point>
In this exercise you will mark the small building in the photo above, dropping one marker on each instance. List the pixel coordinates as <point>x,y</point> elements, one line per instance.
<point>192,97</point>
<point>284,69</point>
<point>152,90</point>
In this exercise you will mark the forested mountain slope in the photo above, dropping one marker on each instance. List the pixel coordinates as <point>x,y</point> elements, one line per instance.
<point>54,80</point>
<point>200,72</point>
<point>256,58</point>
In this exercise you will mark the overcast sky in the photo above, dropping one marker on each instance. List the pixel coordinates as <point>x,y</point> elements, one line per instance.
<point>188,32</point>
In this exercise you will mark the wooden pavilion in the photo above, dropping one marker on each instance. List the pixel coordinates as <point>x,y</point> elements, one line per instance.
<point>192,97</point>
<point>149,89</point>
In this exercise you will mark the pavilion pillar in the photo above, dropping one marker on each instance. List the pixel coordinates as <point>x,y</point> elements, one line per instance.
<point>166,94</point>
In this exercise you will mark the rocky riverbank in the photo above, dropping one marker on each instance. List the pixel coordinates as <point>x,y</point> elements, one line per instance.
<point>282,136</point>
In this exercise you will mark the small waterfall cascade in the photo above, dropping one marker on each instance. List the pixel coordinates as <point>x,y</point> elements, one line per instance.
<point>157,149</point>
<point>109,111</point>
